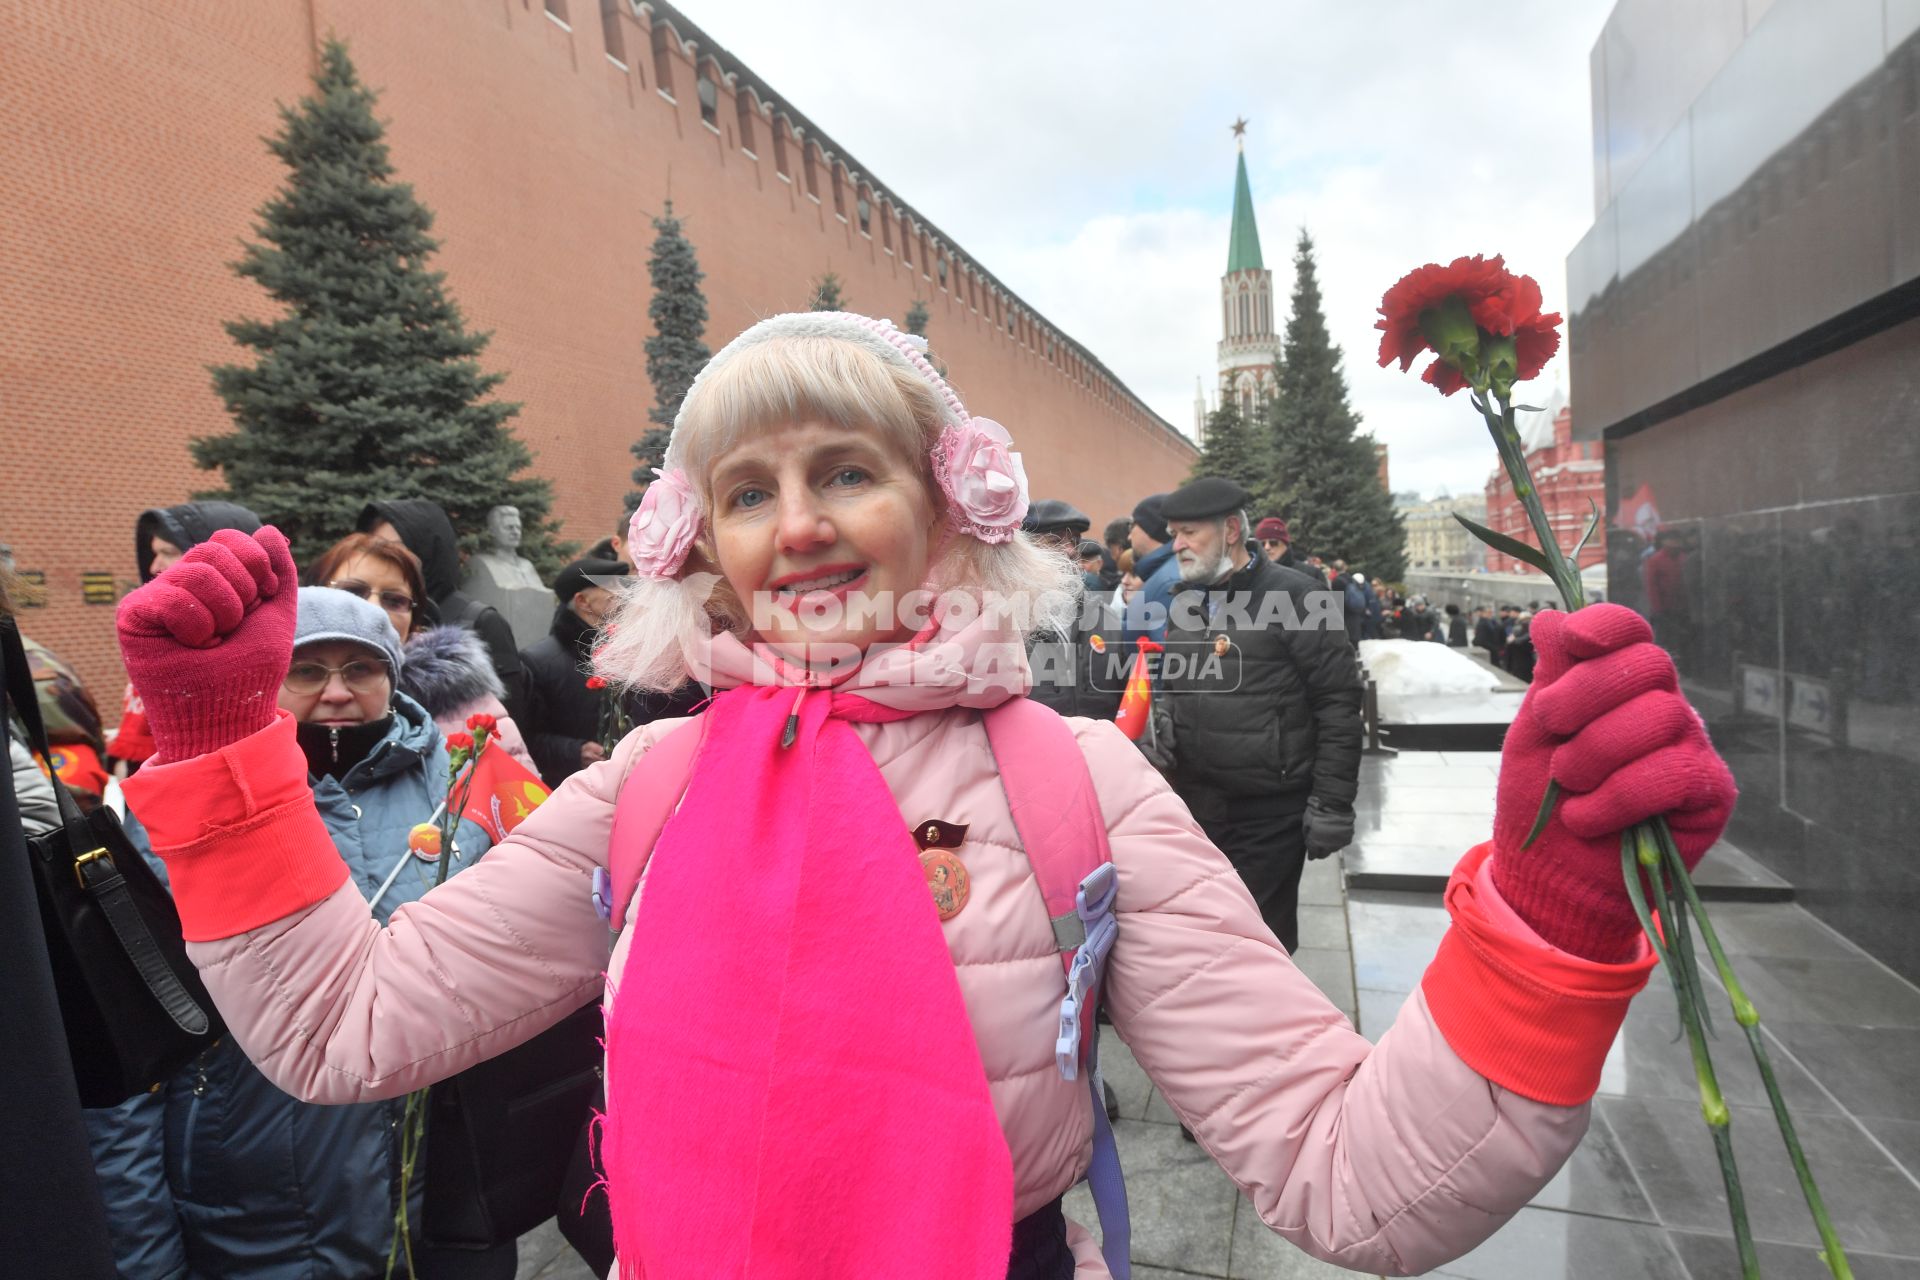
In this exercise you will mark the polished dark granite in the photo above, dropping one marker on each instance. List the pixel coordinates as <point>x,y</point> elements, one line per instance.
<point>1791,627</point>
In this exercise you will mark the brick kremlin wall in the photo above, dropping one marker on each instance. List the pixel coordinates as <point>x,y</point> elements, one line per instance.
<point>543,137</point>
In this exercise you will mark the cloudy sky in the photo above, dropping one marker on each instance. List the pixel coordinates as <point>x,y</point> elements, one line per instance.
<point>1082,152</point>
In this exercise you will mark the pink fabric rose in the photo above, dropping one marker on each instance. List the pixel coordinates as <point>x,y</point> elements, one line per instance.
<point>664,526</point>
<point>983,479</point>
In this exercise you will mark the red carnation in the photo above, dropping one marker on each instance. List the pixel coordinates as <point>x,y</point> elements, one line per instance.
<point>481,722</point>
<point>459,741</point>
<point>1500,303</point>
<point>595,682</point>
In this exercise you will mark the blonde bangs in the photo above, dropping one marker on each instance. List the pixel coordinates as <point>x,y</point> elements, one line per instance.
<point>789,379</point>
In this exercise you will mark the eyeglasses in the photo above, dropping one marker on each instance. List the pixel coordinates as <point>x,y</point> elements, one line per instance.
<point>311,677</point>
<point>391,601</point>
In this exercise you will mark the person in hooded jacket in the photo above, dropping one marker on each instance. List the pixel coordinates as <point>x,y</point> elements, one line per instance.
<point>161,536</point>
<point>423,528</point>
<point>219,1173</point>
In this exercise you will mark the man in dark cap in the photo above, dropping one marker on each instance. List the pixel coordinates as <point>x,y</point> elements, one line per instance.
<point>1070,671</point>
<point>1058,521</point>
<point>1263,744</point>
<point>561,722</point>
<point>1154,565</point>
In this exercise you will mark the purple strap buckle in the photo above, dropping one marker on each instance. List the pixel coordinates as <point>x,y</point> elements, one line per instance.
<point>603,895</point>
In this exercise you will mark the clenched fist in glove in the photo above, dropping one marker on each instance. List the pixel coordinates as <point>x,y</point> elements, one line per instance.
<point>1605,719</point>
<point>207,642</point>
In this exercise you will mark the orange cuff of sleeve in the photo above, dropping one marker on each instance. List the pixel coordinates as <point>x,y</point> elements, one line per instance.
<point>243,844</point>
<point>1523,1013</point>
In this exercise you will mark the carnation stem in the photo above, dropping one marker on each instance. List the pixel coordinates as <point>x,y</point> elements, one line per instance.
<point>1749,1019</point>
<point>1506,440</point>
<point>1687,993</point>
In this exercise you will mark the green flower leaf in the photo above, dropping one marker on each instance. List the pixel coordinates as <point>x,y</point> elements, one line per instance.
<point>1592,524</point>
<point>1526,553</point>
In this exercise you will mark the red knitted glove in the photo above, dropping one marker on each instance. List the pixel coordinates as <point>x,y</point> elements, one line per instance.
<point>1606,720</point>
<point>207,642</point>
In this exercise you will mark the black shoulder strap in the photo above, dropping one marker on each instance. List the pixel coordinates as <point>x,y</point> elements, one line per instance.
<point>91,862</point>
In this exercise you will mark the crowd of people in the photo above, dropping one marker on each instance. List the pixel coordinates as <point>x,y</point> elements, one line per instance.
<point>783,959</point>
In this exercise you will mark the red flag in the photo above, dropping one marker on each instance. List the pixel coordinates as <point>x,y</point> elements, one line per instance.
<point>1136,704</point>
<point>501,793</point>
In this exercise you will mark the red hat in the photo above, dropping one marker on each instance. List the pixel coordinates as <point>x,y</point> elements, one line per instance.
<point>1272,529</point>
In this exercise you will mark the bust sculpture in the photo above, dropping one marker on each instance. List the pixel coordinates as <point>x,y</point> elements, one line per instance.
<point>505,579</point>
<point>502,556</point>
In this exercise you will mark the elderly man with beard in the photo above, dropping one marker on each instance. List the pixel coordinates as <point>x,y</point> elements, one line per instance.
<point>1260,719</point>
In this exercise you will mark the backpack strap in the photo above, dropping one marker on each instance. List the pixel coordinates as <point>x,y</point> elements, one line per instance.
<point>647,799</point>
<point>1065,837</point>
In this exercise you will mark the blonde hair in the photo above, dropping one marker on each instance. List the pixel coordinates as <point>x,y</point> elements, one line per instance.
<point>818,367</point>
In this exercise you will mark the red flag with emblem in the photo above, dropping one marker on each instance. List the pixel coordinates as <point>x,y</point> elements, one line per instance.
<point>502,793</point>
<point>1136,703</point>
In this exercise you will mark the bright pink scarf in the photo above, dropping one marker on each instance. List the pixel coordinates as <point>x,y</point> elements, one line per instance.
<point>793,1085</point>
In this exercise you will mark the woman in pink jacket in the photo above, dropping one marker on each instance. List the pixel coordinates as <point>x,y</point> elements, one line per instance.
<point>815,1067</point>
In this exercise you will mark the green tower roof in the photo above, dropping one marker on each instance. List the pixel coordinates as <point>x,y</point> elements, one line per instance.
<point>1243,249</point>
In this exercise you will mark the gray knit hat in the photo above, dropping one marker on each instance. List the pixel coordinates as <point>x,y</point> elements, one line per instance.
<point>330,614</point>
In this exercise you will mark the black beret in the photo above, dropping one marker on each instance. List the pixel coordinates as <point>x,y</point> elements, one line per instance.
<point>1050,514</point>
<point>1207,498</point>
<point>577,577</point>
<point>1151,520</point>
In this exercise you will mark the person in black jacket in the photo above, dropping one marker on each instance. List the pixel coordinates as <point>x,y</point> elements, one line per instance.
<point>423,528</point>
<point>1071,673</point>
<point>55,1224</point>
<point>1263,741</point>
<point>1489,634</point>
<point>562,721</point>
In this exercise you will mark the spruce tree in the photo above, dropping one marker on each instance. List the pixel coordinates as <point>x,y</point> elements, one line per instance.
<point>826,294</point>
<point>675,352</point>
<point>917,318</point>
<point>1230,449</point>
<point>1320,471</point>
<point>367,385</point>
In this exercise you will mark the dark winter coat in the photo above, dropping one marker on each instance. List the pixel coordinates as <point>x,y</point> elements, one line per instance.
<point>425,530</point>
<point>562,714</point>
<point>222,1171</point>
<point>1283,714</point>
<point>1416,624</point>
<point>186,525</point>
<point>53,1224</point>
<point>1355,597</point>
<point>1491,636</point>
<point>1085,674</point>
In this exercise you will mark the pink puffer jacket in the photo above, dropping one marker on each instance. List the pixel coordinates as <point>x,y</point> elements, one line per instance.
<point>1393,1158</point>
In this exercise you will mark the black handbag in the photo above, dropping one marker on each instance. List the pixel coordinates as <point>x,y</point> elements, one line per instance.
<point>502,1134</point>
<point>133,1006</point>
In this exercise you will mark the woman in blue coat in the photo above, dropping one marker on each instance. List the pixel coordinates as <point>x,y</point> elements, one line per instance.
<point>219,1173</point>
